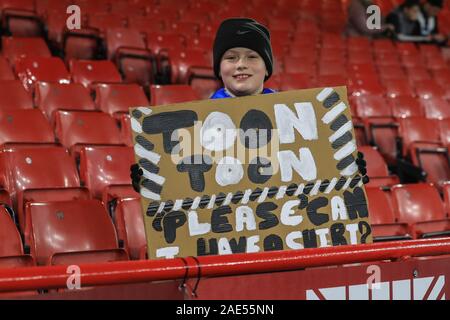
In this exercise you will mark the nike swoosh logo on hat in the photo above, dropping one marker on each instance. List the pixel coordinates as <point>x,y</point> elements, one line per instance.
<point>239,32</point>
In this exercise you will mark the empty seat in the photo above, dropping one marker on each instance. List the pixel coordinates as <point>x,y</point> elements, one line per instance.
<point>129,221</point>
<point>14,96</point>
<point>418,74</point>
<point>33,69</point>
<point>56,96</point>
<point>11,251</point>
<point>331,81</point>
<point>6,72</point>
<point>24,126</point>
<point>113,98</point>
<point>90,72</point>
<point>418,131</point>
<point>39,173</point>
<point>395,89</point>
<point>104,167</point>
<point>421,207</point>
<point>294,81</point>
<point>69,232</point>
<point>188,64</point>
<point>384,224</point>
<point>157,41</point>
<point>377,169</point>
<point>436,108</point>
<point>428,89</point>
<point>74,129</point>
<point>20,19</point>
<point>128,49</point>
<point>16,47</point>
<point>421,143</point>
<point>381,128</point>
<point>104,21</point>
<point>170,94</point>
<point>405,107</point>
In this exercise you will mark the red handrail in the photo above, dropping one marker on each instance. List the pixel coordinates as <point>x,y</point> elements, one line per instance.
<point>51,277</point>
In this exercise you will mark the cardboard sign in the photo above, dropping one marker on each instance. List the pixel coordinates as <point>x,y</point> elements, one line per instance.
<point>250,174</point>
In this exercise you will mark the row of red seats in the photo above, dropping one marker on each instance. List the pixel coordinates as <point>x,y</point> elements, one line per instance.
<point>408,211</point>
<point>401,212</point>
<point>111,98</point>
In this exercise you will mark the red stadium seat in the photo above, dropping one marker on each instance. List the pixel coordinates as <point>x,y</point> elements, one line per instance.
<point>293,81</point>
<point>377,169</point>
<point>67,222</point>
<point>104,167</point>
<point>411,61</point>
<point>39,174</point>
<point>185,65</point>
<point>6,72</point>
<point>157,41</point>
<point>421,207</point>
<point>406,48</point>
<point>382,218</point>
<point>11,250</point>
<point>50,97</point>
<point>113,98</point>
<point>74,129</point>
<point>405,107</point>
<point>190,28</point>
<point>421,142</point>
<point>331,81</point>
<point>82,44</point>
<point>16,47</point>
<point>14,96</point>
<point>418,74</point>
<point>428,89</point>
<point>386,59</point>
<point>90,72</point>
<point>391,74</point>
<point>104,21</point>
<point>442,77</point>
<point>30,70</point>
<point>436,63</point>
<point>170,94</point>
<point>381,127</point>
<point>24,126</point>
<point>367,86</point>
<point>436,108</point>
<point>128,49</point>
<point>129,221</point>
<point>420,131</point>
<point>396,88</point>
<point>19,18</point>
<point>145,24</point>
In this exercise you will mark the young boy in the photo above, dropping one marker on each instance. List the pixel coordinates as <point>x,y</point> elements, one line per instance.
<point>243,59</point>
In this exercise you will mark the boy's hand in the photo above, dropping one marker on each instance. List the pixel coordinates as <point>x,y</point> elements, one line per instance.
<point>136,175</point>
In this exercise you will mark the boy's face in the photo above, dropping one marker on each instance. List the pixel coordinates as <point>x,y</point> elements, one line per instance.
<point>242,71</point>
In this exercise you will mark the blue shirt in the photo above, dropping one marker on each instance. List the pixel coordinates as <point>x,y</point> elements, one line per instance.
<point>222,93</point>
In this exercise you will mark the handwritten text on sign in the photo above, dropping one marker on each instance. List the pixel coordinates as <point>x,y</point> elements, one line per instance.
<point>260,173</point>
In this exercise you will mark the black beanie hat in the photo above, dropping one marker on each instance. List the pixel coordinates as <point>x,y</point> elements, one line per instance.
<point>246,33</point>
